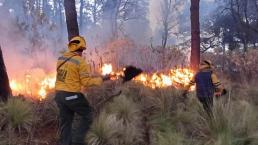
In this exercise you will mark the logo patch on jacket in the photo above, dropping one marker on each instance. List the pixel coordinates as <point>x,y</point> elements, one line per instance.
<point>61,75</point>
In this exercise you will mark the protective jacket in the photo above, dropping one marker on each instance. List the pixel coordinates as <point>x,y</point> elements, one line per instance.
<point>206,83</point>
<point>74,73</point>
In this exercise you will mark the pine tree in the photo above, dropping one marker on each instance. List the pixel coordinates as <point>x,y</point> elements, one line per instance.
<point>71,18</point>
<point>5,90</point>
<point>195,32</point>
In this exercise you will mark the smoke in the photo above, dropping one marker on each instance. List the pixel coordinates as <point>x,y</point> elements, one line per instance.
<point>154,14</point>
<point>28,45</point>
<point>21,56</point>
<point>157,13</point>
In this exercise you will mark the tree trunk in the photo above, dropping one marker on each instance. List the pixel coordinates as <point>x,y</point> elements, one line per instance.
<point>165,35</point>
<point>81,14</point>
<point>195,32</point>
<point>110,11</point>
<point>224,57</point>
<point>5,90</point>
<point>44,7</point>
<point>60,16</point>
<point>94,12</point>
<point>71,18</point>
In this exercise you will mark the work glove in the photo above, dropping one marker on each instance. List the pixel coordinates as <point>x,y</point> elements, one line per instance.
<point>217,94</point>
<point>220,93</point>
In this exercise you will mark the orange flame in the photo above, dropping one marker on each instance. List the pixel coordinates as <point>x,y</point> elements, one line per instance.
<point>15,86</point>
<point>107,69</point>
<point>39,88</point>
<point>46,84</point>
<point>33,88</point>
<point>179,77</point>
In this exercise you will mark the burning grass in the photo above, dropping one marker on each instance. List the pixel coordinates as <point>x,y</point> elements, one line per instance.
<point>146,115</point>
<point>178,77</point>
<point>38,87</point>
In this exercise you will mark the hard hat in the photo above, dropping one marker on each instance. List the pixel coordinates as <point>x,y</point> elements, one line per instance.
<point>77,43</point>
<point>206,64</point>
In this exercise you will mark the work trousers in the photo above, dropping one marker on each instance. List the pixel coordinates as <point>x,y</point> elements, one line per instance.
<point>207,103</point>
<point>70,103</point>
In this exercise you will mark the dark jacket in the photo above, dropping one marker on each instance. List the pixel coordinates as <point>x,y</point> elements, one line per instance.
<point>206,83</point>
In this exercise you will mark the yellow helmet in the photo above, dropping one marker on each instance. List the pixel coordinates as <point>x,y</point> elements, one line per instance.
<point>206,64</point>
<point>77,43</point>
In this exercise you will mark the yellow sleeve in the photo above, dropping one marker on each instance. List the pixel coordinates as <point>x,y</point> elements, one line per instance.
<point>215,81</point>
<point>85,77</point>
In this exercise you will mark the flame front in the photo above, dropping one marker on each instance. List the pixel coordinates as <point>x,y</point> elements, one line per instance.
<point>34,88</point>
<point>45,85</point>
<point>15,86</point>
<point>107,69</point>
<point>179,77</point>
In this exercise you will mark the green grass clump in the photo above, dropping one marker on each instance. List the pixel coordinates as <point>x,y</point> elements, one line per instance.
<point>103,130</point>
<point>118,124</point>
<point>17,114</point>
<point>233,123</point>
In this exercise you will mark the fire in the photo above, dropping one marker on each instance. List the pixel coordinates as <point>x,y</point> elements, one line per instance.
<point>33,87</point>
<point>15,86</point>
<point>39,87</point>
<point>107,69</point>
<point>178,78</point>
<point>46,84</point>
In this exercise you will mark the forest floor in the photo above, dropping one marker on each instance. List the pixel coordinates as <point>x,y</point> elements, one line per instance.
<point>139,116</point>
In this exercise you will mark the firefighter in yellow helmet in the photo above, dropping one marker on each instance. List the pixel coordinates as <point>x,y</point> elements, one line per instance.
<point>73,73</point>
<point>207,85</point>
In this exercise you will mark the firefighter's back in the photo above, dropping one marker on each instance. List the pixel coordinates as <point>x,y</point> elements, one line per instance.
<point>68,77</point>
<point>204,85</point>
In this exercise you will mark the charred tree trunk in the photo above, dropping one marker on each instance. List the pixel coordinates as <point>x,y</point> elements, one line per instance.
<point>195,32</point>
<point>5,90</point>
<point>71,18</point>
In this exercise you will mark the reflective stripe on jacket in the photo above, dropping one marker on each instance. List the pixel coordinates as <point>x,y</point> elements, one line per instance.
<point>74,74</point>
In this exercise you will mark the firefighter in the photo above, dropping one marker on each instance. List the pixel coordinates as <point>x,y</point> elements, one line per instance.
<point>207,85</point>
<point>72,74</point>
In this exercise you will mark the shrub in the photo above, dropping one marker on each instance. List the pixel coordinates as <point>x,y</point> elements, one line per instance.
<point>17,114</point>
<point>233,123</point>
<point>103,130</point>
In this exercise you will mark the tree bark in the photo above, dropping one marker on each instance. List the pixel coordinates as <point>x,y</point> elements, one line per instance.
<point>60,8</point>
<point>195,32</point>
<point>71,18</point>
<point>110,11</point>
<point>5,90</point>
<point>81,14</point>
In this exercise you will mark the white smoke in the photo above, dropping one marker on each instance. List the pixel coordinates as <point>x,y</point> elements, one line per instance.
<point>156,13</point>
<point>15,46</point>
